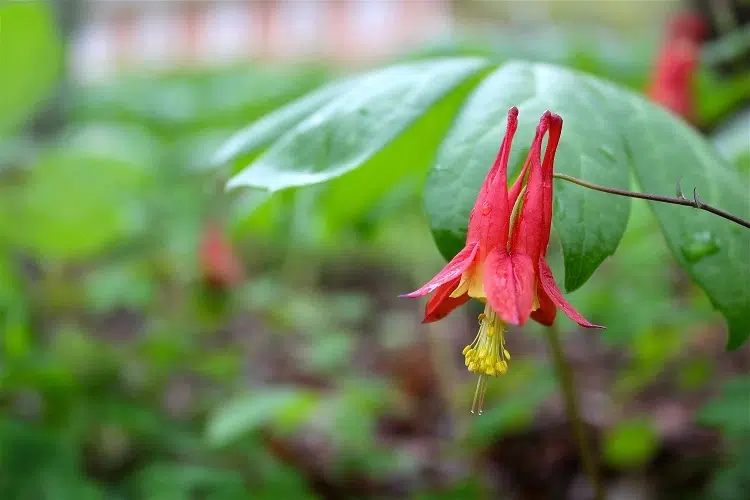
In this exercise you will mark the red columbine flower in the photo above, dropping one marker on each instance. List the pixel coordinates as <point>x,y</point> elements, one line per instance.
<point>672,78</point>
<point>503,263</point>
<point>220,267</point>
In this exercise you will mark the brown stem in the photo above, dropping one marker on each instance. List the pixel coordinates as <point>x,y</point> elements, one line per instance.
<point>567,386</point>
<point>680,200</point>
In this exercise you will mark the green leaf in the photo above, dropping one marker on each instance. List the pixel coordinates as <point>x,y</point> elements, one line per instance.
<point>349,130</point>
<point>730,138</point>
<point>590,224</point>
<point>174,104</point>
<point>248,413</point>
<point>163,480</point>
<point>731,480</point>
<point>713,251</point>
<point>268,128</point>
<point>730,410</point>
<point>77,203</point>
<point>30,59</point>
<point>405,159</point>
<point>630,444</point>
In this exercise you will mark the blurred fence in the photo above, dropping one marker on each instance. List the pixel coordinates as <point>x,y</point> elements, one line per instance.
<point>115,35</point>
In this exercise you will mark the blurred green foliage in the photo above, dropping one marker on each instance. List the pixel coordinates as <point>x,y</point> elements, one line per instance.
<point>123,376</point>
<point>630,443</point>
<point>27,37</point>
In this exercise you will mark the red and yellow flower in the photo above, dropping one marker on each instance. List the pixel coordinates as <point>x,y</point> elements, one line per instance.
<point>504,261</point>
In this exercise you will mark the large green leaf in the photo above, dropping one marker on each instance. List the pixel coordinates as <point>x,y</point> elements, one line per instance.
<point>29,59</point>
<point>405,159</point>
<point>713,251</point>
<point>609,134</point>
<point>349,130</point>
<point>260,133</point>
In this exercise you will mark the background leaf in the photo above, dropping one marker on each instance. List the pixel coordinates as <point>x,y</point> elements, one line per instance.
<point>261,132</point>
<point>630,443</point>
<point>352,128</point>
<point>730,410</point>
<point>77,202</point>
<point>247,414</point>
<point>30,56</point>
<point>715,252</point>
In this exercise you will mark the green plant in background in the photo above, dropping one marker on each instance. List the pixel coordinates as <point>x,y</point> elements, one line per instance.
<point>615,135</point>
<point>729,412</point>
<point>120,379</point>
<point>28,37</point>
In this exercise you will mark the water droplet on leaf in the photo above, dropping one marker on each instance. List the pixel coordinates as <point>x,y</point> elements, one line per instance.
<point>700,245</point>
<point>486,209</point>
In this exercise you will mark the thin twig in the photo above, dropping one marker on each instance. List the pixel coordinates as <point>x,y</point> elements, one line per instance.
<point>680,200</point>
<point>567,386</point>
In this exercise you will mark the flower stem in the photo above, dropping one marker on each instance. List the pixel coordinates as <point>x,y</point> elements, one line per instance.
<point>679,200</point>
<point>567,386</point>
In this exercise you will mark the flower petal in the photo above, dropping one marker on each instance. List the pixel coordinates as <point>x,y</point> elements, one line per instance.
<point>500,165</point>
<point>548,169</point>
<point>489,219</point>
<point>527,237</point>
<point>509,285</point>
<point>534,152</point>
<point>441,303</point>
<point>454,269</point>
<point>549,285</point>
<point>547,310</point>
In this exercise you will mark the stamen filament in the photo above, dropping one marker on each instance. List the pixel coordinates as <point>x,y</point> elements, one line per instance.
<point>478,403</point>
<point>486,355</point>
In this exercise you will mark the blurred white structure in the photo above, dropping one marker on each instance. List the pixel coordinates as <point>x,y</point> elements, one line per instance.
<point>120,34</point>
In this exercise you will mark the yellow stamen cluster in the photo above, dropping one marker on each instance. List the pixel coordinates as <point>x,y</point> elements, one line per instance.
<point>487,355</point>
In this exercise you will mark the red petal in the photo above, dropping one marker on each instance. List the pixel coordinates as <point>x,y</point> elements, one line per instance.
<point>219,264</point>
<point>454,269</point>
<point>509,285</point>
<point>547,310</point>
<point>549,285</point>
<point>489,219</point>
<point>501,160</point>
<point>441,303</point>
<point>528,237</point>
<point>548,169</point>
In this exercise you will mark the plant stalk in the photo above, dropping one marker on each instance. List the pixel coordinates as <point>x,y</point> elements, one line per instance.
<point>567,386</point>
<point>680,200</point>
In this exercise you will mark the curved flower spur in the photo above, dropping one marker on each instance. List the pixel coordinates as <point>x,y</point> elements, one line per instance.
<point>504,261</point>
